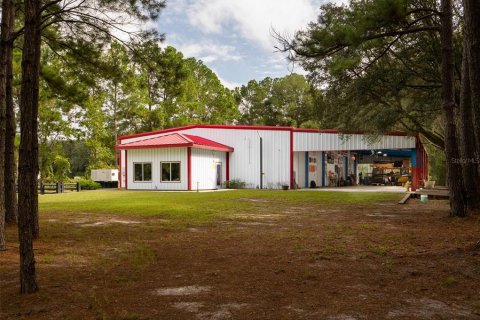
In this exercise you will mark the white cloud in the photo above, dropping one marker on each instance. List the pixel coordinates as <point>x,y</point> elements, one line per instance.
<point>235,36</point>
<point>228,84</point>
<point>279,66</point>
<point>252,19</point>
<point>208,51</point>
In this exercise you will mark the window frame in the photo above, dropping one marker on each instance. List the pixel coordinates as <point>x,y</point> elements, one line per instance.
<point>143,170</point>
<point>161,172</point>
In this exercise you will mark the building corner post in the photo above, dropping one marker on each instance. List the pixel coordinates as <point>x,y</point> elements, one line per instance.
<point>291,160</point>
<point>227,167</point>
<point>126,169</point>
<point>189,168</point>
<point>307,162</point>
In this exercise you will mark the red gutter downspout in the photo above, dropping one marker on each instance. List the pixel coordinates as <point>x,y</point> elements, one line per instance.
<point>291,159</point>
<point>414,168</point>
<point>227,167</point>
<point>120,169</point>
<point>189,168</point>
<point>423,164</point>
<point>417,170</point>
<point>126,169</point>
<point>425,155</point>
<point>427,168</point>
<point>423,167</point>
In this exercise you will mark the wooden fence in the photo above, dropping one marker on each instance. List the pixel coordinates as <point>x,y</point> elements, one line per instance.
<point>59,187</point>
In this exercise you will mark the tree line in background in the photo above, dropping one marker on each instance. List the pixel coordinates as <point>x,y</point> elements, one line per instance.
<point>89,98</point>
<point>147,89</point>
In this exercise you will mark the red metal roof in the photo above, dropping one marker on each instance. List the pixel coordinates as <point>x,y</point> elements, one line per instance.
<point>176,140</point>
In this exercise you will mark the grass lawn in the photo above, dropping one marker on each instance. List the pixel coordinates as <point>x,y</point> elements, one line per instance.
<point>246,254</point>
<point>193,207</point>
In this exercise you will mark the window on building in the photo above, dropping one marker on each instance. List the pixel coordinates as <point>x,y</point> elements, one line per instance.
<point>143,172</point>
<point>170,171</point>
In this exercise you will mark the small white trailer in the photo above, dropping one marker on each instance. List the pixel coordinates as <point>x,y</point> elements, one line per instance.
<point>104,175</point>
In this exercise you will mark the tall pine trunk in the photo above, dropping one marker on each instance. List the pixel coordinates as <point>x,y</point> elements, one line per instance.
<point>10,131</point>
<point>28,154</point>
<point>454,168</point>
<point>5,33</point>
<point>472,46</point>
<point>467,139</point>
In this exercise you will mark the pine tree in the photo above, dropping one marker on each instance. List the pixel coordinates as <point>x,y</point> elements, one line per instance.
<point>6,52</point>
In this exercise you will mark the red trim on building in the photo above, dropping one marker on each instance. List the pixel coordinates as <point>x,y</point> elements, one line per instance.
<point>182,145</point>
<point>425,163</point>
<point>425,173</point>
<point>291,160</point>
<point>316,130</point>
<point>120,169</point>
<point>227,166</point>
<point>268,128</point>
<point>143,134</point>
<point>414,179</point>
<point>422,164</point>
<point>173,145</point>
<point>126,169</point>
<point>205,126</point>
<point>235,127</point>
<point>200,142</point>
<point>189,168</point>
<point>420,171</point>
<point>390,133</point>
<point>427,168</point>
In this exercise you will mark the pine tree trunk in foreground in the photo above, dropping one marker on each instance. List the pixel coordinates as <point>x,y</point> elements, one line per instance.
<point>466,139</point>
<point>5,30</point>
<point>472,46</point>
<point>10,131</point>
<point>28,153</point>
<point>452,156</point>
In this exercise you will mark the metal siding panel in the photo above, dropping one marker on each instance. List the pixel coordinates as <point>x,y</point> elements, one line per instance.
<point>155,156</point>
<point>122,168</point>
<point>311,141</point>
<point>245,159</point>
<point>299,168</point>
<point>295,166</point>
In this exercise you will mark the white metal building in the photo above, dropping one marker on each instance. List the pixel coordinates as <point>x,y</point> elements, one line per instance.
<point>205,156</point>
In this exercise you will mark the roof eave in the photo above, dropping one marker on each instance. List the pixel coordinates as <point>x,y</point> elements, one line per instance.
<point>184,145</point>
<point>179,145</point>
<point>225,149</point>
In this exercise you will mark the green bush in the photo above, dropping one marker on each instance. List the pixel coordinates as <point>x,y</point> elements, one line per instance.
<point>234,184</point>
<point>61,168</point>
<point>438,165</point>
<point>87,184</point>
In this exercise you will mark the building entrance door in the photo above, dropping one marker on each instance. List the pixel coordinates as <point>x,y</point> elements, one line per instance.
<point>219,175</point>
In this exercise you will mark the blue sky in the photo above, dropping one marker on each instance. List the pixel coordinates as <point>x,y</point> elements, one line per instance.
<point>233,37</point>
